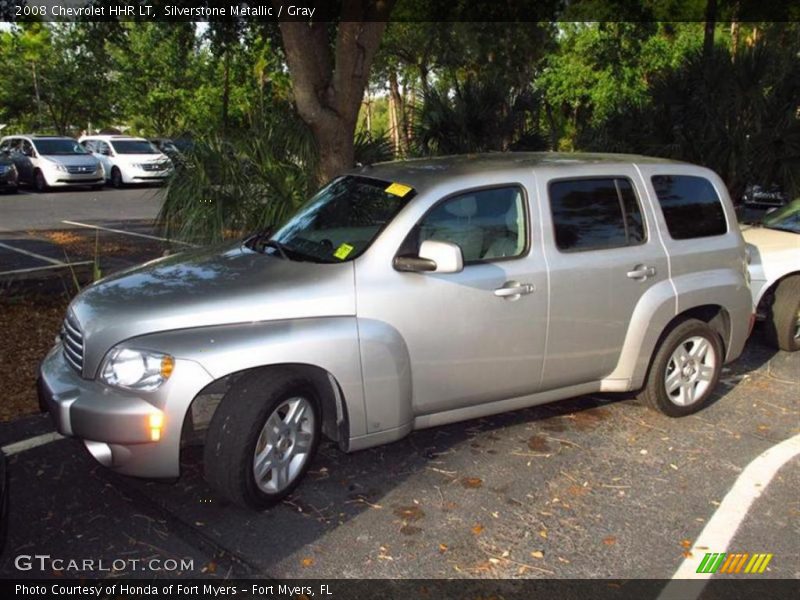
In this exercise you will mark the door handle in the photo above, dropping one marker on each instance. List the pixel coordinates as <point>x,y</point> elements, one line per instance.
<point>641,272</point>
<point>512,290</point>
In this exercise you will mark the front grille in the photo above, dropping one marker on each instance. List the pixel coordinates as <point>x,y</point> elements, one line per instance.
<point>72,337</point>
<point>154,166</point>
<point>80,170</point>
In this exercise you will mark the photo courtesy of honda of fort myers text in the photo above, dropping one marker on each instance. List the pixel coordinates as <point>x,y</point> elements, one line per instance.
<point>399,299</point>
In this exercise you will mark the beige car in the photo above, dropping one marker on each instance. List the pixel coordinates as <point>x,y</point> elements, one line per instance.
<point>774,248</point>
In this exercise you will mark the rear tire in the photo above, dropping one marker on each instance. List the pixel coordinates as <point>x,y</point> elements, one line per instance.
<point>783,324</point>
<point>268,423</point>
<point>685,370</point>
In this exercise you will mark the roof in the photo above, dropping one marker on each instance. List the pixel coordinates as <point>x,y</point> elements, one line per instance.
<point>425,172</point>
<point>112,136</point>
<point>36,136</point>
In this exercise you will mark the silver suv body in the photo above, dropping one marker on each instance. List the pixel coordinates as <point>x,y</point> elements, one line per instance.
<point>403,296</point>
<point>44,161</point>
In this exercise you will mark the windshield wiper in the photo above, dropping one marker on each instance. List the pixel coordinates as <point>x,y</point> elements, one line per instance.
<point>278,246</point>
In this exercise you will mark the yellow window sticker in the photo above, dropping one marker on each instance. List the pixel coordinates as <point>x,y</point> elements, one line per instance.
<point>343,251</point>
<point>398,189</point>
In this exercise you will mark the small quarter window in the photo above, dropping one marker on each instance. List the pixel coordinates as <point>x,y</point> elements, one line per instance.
<point>691,206</point>
<point>595,214</point>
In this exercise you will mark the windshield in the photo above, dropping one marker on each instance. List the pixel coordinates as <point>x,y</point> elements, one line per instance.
<point>134,147</point>
<point>58,147</point>
<point>785,219</point>
<point>341,221</point>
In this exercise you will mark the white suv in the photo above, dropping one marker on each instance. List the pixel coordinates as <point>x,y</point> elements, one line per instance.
<point>128,159</point>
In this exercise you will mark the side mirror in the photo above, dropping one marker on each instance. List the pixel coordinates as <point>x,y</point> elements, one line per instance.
<point>434,257</point>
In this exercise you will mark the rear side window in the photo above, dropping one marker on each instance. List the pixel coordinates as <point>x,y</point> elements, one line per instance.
<point>595,214</point>
<point>691,206</point>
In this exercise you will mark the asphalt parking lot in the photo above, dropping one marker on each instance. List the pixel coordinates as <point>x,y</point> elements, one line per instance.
<point>591,487</point>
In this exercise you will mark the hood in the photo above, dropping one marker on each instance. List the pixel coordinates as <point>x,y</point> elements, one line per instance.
<point>211,286</point>
<point>773,254</point>
<point>72,160</point>
<point>769,241</point>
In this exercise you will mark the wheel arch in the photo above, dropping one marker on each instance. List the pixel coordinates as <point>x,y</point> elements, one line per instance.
<point>767,294</point>
<point>333,405</point>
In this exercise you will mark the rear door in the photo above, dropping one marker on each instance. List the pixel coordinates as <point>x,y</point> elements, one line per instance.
<point>603,254</point>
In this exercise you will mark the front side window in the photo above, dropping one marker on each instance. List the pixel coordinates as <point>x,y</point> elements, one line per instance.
<point>58,147</point>
<point>486,224</point>
<point>134,147</point>
<point>691,206</point>
<point>340,222</point>
<point>595,214</point>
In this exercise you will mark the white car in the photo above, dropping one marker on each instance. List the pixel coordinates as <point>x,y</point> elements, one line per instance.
<point>128,159</point>
<point>46,161</point>
<point>774,247</point>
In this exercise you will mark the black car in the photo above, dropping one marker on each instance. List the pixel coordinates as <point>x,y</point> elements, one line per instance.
<point>8,174</point>
<point>170,148</point>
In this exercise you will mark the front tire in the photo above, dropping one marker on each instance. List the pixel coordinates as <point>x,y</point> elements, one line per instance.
<point>262,438</point>
<point>116,178</point>
<point>685,370</point>
<point>40,182</point>
<point>783,325</point>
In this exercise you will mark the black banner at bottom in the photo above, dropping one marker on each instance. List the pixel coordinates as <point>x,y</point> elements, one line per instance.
<point>406,589</point>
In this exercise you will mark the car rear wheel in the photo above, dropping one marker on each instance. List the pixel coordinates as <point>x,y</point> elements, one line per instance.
<point>116,178</point>
<point>40,182</point>
<point>783,325</point>
<point>262,438</point>
<point>685,370</point>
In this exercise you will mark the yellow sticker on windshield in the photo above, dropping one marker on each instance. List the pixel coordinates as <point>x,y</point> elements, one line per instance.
<point>343,251</point>
<point>398,189</point>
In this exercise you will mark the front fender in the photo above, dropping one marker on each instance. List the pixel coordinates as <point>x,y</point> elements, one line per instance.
<point>330,343</point>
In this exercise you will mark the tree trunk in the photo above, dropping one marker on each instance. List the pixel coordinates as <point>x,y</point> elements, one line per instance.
<point>710,25</point>
<point>329,82</point>
<point>395,110</point>
<point>226,90</point>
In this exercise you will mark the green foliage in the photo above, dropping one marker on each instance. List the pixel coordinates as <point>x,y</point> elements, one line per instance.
<point>736,114</point>
<point>230,187</point>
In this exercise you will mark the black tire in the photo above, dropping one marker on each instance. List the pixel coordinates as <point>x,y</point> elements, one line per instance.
<point>236,431</point>
<point>655,393</point>
<point>39,182</point>
<point>116,178</point>
<point>783,325</point>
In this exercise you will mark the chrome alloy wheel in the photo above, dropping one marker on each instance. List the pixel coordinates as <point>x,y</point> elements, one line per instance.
<point>690,371</point>
<point>284,444</point>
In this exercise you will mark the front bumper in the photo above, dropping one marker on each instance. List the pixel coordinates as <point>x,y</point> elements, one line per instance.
<point>59,178</point>
<point>142,176</point>
<point>113,423</point>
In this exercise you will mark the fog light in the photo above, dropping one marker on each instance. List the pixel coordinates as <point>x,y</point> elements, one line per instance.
<point>156,422</point>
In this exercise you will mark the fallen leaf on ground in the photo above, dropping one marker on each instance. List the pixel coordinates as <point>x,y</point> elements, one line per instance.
<point>307,562</point>
<point>477,529</point>
<point>610,540</point>
<point>537,554</point>
<point>442,548</point>
<point>471,482</point>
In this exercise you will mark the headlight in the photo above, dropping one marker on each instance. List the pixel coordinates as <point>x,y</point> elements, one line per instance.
<point>57,166</point>
<point>141,370</point>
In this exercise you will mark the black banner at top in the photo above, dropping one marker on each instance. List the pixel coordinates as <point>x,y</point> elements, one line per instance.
<point>399,10</point>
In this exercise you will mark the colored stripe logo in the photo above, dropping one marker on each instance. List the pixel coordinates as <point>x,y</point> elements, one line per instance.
<point>739,562</point>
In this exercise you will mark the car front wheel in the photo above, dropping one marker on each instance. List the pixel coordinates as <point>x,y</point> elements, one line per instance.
<point>783,325</point>
<point>262,438</point>
<point>40,182</point>
<point>116,178</point>
<point>685,370</point>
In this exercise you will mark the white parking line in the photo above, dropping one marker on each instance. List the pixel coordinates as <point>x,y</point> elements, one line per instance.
<point>724,523</point>
<point>34,255</point>
<point>122,231</point>
<point>34,442</point>
<point>45,268</point>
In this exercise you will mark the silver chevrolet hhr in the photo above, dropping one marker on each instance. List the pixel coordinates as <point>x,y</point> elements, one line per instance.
<point>403,296</point>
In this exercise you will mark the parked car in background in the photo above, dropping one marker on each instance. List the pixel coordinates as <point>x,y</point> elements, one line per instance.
<point>774,248</point>
<point>408,295</point>
<point>8,173</point>
<point>765,196</point>
<point>45,161</point>
<point>128,160</point>
<point>168,147</point>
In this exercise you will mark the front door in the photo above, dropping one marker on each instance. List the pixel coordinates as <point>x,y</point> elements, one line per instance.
<point>475,336</point>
